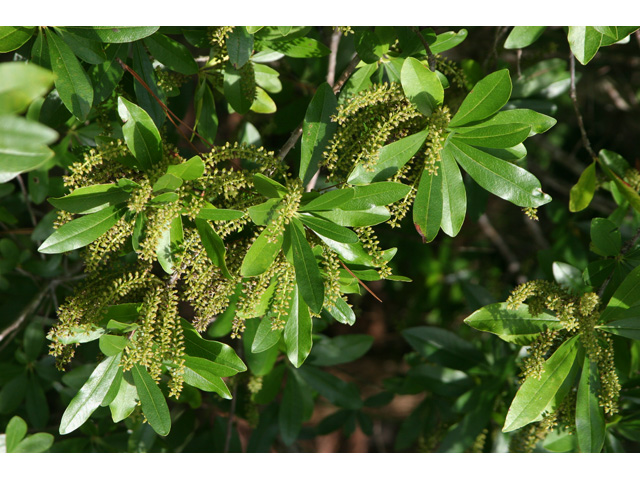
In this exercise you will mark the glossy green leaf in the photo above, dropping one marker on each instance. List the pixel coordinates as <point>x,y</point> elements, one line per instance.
<point>91,199</point>
<point>421,86</point>
<point>301,47</point>
<point>376,194</point>
<point>213,245</point>
<point>590,423</point>
<point>391,158</point>
<point>154,406</point>
<point>202,379</point>
<point>105,76</point>
<point>126,399</point>
<point>240,87</point>
<point>355,252</point>
<point>538,122</point>
<point>12,38</point>
<point>427,207</point>
<point>447,40</point>
<point>536,393</point>
<point>454,195</point>
<point>79,334</point>
<point>192,169</point>
<point>340,349</point>
<point>499,177</point>
<point>226,362</point>
<point>342,312</point>
<point>496,136</point>
<point>523,36</point>
<point>114,34</point>
<point>582,192</point>
<point>261,254</point>
<point>112,345</point>
<point>23,146</point>
<point>21,84</point>
<point>167,183</point>
<point>328,229</point>
<point>81,231</point>
<point>568,276</point>
<point>72,82</point>
<point>626,295</point>
<point>623,187</point>
<point>206,115</point>
<point>268,187</point>
<point>308,277</point>
<point>239,46</point>
<point>88,50</point>
<point>218,214</point>
<point>369,46</point>
<point>15,431</point>
<point>487,97</point>
<point>260,363</point>
<point>317,130</point>
<point>605,237</point>
<point>625,327</point>
<point>90,395</point>
<point>36,443</point>
<point>584,42</point>
<point>112,393</point>
<point>329,200</point>
<point>297,331</point>
<point>171,54</point>
<point>266,337</point>
<point>267,78</point>
<point>148,101</point>
<point>291,412</point>
<point>140,134</point>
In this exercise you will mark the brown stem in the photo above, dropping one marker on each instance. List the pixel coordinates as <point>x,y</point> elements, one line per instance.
<point>430,56</point>
<point>513,265</point>
<point>360,281</point>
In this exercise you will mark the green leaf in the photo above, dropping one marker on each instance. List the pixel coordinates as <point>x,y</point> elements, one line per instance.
<point>341,311</point>
<point>454,196</point>
<point>167,197</point>
<point>308,277</point>
<point>213,245</point>
<point>266,337</point>
<point>355,252</point>
<point>203,379</point>
<point>427,207</point>
<point>487,97</point>
<point>376,194</point>
<point>167,183</point>
<point>225,362</point>
<point>143,66</point>
<point>447,40</point>
<point>113,34</point>
<point>421,86</point>
<point>443,347</point>
<point>112,344</point>
<point>536,393</point>
<point>582,192</point>
<point>240,87</point>
<point>140,134</point>
<point>496,136</point>
<point>72,82</point>
<point>267,78</point>
<point>126,399</point>
<point>499,177</point>
<point>590,423</point>
<point>329,201</point>
<point>107,75</point>
<point>88,50</point>
<point>538,122</point>
<point>512,325</point>
<point>369,46</point>
<point>605,237</point>
<point>625,327</point>
<point>218,214</point>
<point>21,84</point>
<point>12,38</point>
<point>546,79</point>
<point>623,187</point>
<point>23,146</point>
<point>79,334</point>
<point>391,158</point>
<point>340,349</point>
<point>328,229</point>
<point>521,37</point>
<point>206,115</point>
<point>626,295</point>
<point>268,187</point>
<point>297,331</point>
<point>192,169</point>
<point>568,276</point>
<point>317,130</point>
<point>584,42</point>
<point>91,199</point>
<point>301,47</point>
<point>291,412</point>
<point>16,428</point>
<point>90,395</point>
<point>81,231</point>
<point>337,391</point>
<point>112,393</point>
<point>261,254</point>
<point>154,406</point>
<point>36,443</point>
<point>239,46</point>
<point>171,54</point>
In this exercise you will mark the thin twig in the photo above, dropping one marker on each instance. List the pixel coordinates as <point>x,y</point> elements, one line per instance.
<point>333,57</point>
<point>574,99</point>
<point>431,58</point>
<point>26,312</point>
<point>360,281</point>
<point>513,265</point>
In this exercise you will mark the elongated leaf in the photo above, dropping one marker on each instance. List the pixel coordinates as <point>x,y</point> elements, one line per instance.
<point>114,34</point>
<point>605,237</point>
<point>291,412</point>
<point>168,244</point>
<point>582,192</point>
<point>337,391</point>
<point>496,136</point>
<point>340,349</point>
<point>91,199</point>
<point>167,183</point>
<point>261,254</point>
<point>625,327</point>
<point>72,82</point>
<point>487,97</point>
<point>329,201</point>
<point>623,187</point>
<point>240,87</point>
<point>421,86</point>
<point>266,337</point>
<point>317,130</point>
<point>192,169</point>
<point>355,252</point>
<point>140,134</point>
<point>443,347</point>
<point>12,38</point>
<point>105,76</point>
<point>625,296</point>
<point>568,276</point>
<point>391,158</point>
<point>447,40</point>
<point>112,344</point>
<point>240,46</point>
<point>536,393</point>
<point>454,195</point>
<point>308,278</point>
<point>329,229</point>
<point>226,361</point>
<point>427,207</point>
<point>584,42</point>
<point>81,231</point>
<point>301,47</point>
<point>268,187</point>
<point>342,312</point>
<point>297,331</point>
<point>512,325</point>
<point>523,36</point>
<point>88,50</point>
<point>90,395</point>
<point>36,443</point>
<point>206,116</point>
<point>154,406</point>
<point>21,84</point>
<point>171,54</point>
<point>205,381</point>
<point>15,431</point>
<point>590,423</point>
<point>218,214</point>
<point>213,245</point>
<point>125,400</point>
<point>499,177</point>
<point>376,194</point>
<point>538,122</point>
<point>143,66</point>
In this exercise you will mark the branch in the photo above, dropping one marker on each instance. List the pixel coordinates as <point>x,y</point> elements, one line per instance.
<point>574,99</point>
<point>513,265</point>
<point>430,56</point>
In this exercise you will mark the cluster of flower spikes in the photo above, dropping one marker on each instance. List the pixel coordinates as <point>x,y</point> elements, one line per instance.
<point>578,314</point>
